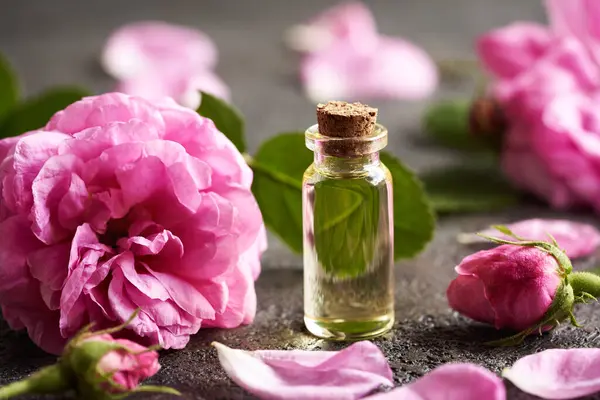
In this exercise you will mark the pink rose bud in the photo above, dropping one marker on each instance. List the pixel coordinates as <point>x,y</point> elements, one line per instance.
<point>97,367</point>
<point>523,285</point>
<point>103,364</point>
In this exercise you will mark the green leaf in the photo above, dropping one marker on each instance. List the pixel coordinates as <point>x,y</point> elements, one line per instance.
<point>278,169</point>
<point>226,117</point>
<point>9,87</point>
<point>34,113</point>
<point>468,188</point>
<point>414,221</point>
<point>346,224</point>
<point>447,122</point>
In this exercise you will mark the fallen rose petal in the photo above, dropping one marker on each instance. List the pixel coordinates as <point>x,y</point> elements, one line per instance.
<point>396,69</point>
<point>351,373</point>
<point>575,238</point>
<point>133,48</point>
<point>558,373</point>
<point>451,382</point>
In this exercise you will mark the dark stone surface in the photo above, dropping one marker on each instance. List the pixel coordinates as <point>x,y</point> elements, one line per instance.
<point>59,41</point>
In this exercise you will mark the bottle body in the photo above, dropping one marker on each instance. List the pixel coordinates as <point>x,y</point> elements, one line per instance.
<point>348,247</point>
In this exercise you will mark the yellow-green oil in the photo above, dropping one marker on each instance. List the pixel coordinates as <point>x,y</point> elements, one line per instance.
<point>348,249</point>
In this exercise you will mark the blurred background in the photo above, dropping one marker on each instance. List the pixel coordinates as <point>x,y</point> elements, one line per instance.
<point>60,42</point>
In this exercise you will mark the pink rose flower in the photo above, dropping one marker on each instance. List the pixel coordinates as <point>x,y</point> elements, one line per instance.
<point>548,83</point>
<point>118,204</point>
<point>508,286</point>
<point>127,366</point>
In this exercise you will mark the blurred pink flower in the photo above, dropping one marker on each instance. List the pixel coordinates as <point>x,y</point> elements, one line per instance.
<point>548,83</point>
<point>118,204</point>
<point>132,48</point>
<point>508,286</point>
<point>558,373</point>
<point>155,59</point>
<point>351,22</point>
<point>345,58</point>
<point>185,90</point>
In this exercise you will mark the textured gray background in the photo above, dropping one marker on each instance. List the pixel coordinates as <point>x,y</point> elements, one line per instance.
<point>59,41</point>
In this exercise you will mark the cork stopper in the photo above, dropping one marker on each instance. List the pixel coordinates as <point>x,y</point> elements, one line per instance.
<point>346,120</point>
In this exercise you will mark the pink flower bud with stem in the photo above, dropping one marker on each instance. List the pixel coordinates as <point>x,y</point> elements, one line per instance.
<point>95,366</point>
<point>523,285</point>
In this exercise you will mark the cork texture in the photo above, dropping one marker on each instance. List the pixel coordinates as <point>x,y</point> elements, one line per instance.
<point>346,120</point>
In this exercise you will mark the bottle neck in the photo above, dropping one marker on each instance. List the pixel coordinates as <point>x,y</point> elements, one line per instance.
<point>331,165</point>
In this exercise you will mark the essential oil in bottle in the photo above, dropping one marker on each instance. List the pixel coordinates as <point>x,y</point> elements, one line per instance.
<point>348,226</point>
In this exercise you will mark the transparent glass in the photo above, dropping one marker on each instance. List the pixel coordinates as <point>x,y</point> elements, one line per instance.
<point>348,238</point>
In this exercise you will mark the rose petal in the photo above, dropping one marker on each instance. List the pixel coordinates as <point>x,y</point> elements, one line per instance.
<point>30,154</point>
<point>103,110</point>
<point>578,18</point>
<point>85,271</point>
<point>134,48</point>
<point>51,184</point>
<point>184,87</point>
<point>508,51</point>
<point>565,68</point>
<point>575,238</point>
<point>477,306</point>
<point>558,373</point>
<point>568,134</point>
<point>451,382</point>
<point>527,171</point>
<point>301,375</point>
<point>22,303</point>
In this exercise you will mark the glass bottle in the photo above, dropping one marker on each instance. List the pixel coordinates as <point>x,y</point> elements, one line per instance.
<point>348,234</point>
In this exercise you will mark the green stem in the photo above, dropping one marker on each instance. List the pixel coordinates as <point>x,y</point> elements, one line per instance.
<point>47,380</point>
<point>585,282</point>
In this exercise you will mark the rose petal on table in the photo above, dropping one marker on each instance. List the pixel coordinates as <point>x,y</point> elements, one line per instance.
<point>451,382</point>
<point>577,239</point>
<point>396,69</point>
<point>135,48</point>
<point>351,373</point>
<point>351,22</point>
<point>558,373</point>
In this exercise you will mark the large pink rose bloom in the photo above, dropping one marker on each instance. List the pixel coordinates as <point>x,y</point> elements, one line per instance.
<point>508,286</point>
<point>118,204</point>
<point>548,83</point>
